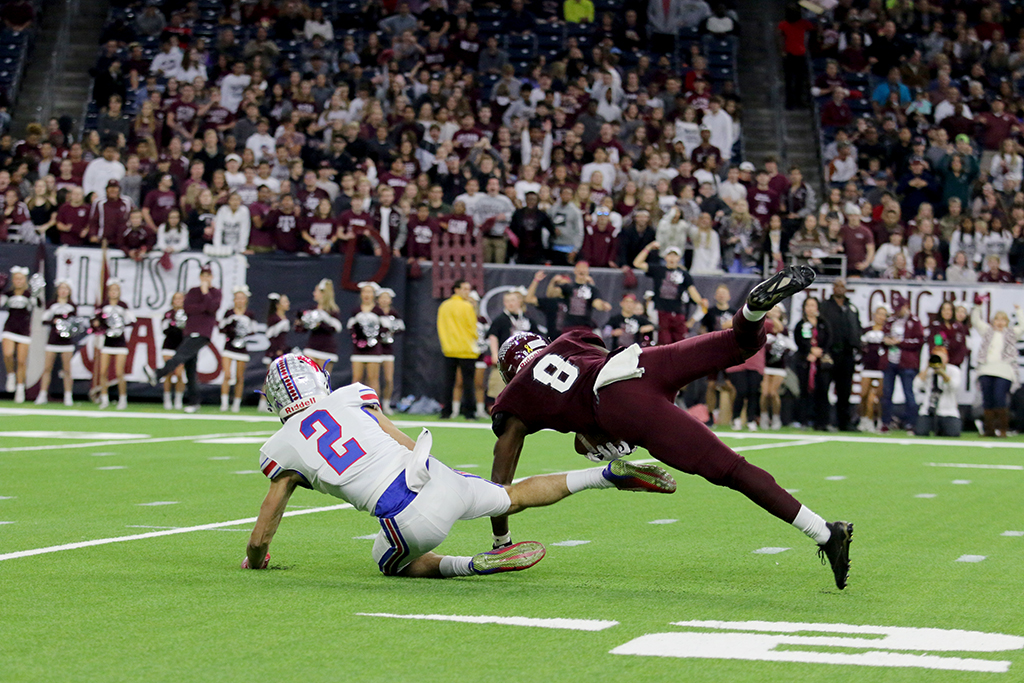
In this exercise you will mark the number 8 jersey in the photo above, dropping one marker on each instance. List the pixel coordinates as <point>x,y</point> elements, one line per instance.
<point>555,390</point>
<point>339,448</point>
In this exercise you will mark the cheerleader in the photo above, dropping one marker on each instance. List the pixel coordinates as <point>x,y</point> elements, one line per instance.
<point>19,301</point>
<point>875,360</point>
<point>112,322</point>
<point>390,325</point>
<point>777,349</point>
<point>237,325</point>
<point>278,327</point>
<point>322,326</point>
<point>58,316</point>
<point>174,332</point>
<point>364,325</point>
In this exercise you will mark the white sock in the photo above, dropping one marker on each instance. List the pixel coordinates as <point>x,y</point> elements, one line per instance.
<point>592,478</point>
<point>455,566</point>
<point>753,316</point>
<point>812,525</point>
<point>455,407</point>
<point>501,540</point>
<point>480,408</point>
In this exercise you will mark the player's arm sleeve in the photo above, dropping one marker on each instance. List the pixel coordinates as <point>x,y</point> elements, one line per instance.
<point>281,489</point>
<point>506,458</point>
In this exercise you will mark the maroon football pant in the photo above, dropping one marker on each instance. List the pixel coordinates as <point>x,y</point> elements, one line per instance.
<point>643,412</point>
<point>671,327</point>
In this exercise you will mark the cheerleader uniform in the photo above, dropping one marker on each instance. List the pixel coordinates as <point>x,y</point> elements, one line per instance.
<point>390,325</point>
<point>236,327</point>
<point>277,335</point>
<point>18,327</point>
<point>174,331</point>
<point>57,317</point>
<point>114,320</point>
<point>322,327</point>
<point>777,349</point>
<point>875,358</point>
<point>365,327</point>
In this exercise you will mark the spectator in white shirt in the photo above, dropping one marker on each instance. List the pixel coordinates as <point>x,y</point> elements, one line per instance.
<point>231,226</point>
<point>317,25</point>
<point>234,177</point>
<point>233,86</point>
<point>731,190</point>
<point>600,163</point>
<point>168,60</point>
<point>261,142</point>
<point>720,124</point>
<point>102,170</point>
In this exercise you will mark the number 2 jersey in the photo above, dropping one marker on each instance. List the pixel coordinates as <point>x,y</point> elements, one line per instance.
<point>338,448</point>
<point>555,390</point>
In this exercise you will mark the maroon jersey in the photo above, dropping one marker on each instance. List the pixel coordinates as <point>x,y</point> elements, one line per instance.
<point>322,229</point>
<point>421,234</point>
<point>356,222</point>
<point>184,112</point>
<point>464,140</point>
<point>763,204</point>
<point>286,229</point>
<point>110,218</point>
<point>277,336</point>
<point>461,224</point>
<point>555,390</point>
<point>600,247</point>
<point>873,350</point>
<point>216,117</point>
<point>78,218</point>
<point>260,236</point>
<point>396,182</point>
<point>160,204</point>
<point>310,199</point>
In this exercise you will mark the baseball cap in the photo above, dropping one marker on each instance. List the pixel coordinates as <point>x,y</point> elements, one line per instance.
<point>747,166</point>
<point>674,250</point>
<point>113,183</point>
<point>233,157</point>
<point>629,295</point>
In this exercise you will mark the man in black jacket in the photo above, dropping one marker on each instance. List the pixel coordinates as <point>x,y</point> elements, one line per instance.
<point>843,319</point>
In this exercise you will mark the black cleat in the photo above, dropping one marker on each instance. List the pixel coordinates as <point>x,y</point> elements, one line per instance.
<point>779,287</point>
<point>837,550</point>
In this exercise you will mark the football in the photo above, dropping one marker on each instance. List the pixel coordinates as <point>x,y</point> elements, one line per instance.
<point>592,437</point>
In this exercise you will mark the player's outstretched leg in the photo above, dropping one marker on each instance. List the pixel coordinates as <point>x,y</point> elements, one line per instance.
<point>779,287</point>
<point>621,474</point>
<point>837,551</point>
<point>628,476</point>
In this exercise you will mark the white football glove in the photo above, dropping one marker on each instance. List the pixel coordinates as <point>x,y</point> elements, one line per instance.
<point>608,451</point>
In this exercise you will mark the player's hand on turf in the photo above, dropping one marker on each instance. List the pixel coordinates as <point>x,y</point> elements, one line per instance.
<point>266,561</point>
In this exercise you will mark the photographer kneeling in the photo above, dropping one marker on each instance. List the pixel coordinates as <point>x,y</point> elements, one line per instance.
<point>935,389</point>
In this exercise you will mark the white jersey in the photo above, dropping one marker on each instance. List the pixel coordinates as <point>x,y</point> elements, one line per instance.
<point>338,448</point>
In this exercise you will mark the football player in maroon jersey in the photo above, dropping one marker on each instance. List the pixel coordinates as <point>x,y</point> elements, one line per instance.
<point>612,400</point>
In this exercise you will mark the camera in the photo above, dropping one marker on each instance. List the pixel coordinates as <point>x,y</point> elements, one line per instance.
<point>934,360</point>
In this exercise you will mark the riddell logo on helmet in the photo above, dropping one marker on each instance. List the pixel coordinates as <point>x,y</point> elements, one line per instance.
<point>300,405</point>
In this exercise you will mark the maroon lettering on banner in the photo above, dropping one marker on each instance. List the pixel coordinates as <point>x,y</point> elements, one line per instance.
<point>456,257</point>
<point>350,256</point>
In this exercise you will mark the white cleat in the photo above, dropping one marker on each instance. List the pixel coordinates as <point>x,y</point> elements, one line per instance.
<point>19,393</point>
<point>68,399</point>
<point>9,386</point>
<point>40,399</point>
<point>122,402</point>
<point>191,409</point>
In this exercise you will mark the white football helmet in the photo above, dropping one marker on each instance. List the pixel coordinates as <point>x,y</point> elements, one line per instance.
<point>294,383</point>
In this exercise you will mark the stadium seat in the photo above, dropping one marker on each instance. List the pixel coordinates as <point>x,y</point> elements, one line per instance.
<point>722,45</point>
<point>689,33</point>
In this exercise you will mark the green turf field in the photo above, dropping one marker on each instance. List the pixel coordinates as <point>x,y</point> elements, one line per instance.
<point>639,601</point>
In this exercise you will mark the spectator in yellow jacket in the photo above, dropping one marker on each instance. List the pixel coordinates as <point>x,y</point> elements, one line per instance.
<point>579,11</point>
<point>456,329</point>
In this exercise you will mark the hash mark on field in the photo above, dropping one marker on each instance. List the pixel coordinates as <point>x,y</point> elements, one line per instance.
<point>6,522</point>
<point>466,467</point>
<point>792,490</point>
<point>837,477</point>
<point>7,497</point>
<point>367,537</point>
<point>664,521</point>
<point>156,503</point>
<point>961,481</point>
<point>570,543</point>
<point>220,457</point>
<point>925,495</point>
<point>970,558</point>
<point>113,467</point>
<point>102,455</point>
<point>770,551</point>
<point>1012,533</point>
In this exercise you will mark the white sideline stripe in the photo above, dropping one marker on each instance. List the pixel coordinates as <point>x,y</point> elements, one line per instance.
<point>770,551</point>
<point>969,466</point>
<point>567,624</point>
<point>94,444</point>
<point>1012,533</point>
<point>155,534</point>
<point>7,497</point>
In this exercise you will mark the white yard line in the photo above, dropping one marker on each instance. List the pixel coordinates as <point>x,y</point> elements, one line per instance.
<point>969,466</point>
<point>155,534</point>
<point>569,624</point>
<point>94,444</point>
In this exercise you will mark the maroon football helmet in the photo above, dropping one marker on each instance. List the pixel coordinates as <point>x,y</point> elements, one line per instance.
<point>516,349</point>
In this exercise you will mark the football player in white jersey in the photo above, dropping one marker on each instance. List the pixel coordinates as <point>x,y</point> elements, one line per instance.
<point>340,443</point>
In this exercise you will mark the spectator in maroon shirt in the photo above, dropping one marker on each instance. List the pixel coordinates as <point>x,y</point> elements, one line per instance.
<point>422,228</point>
<point>837,112</point>
<point>776,181</point>
<point>73,219</point>
<point>858,245</point>
<point>137,239</point>
<point>994,272</point>
<point>997,125</point>
<point>159,202</point>
<point>600,241</point>
<point>286,225</point>
<point>763,201</point>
